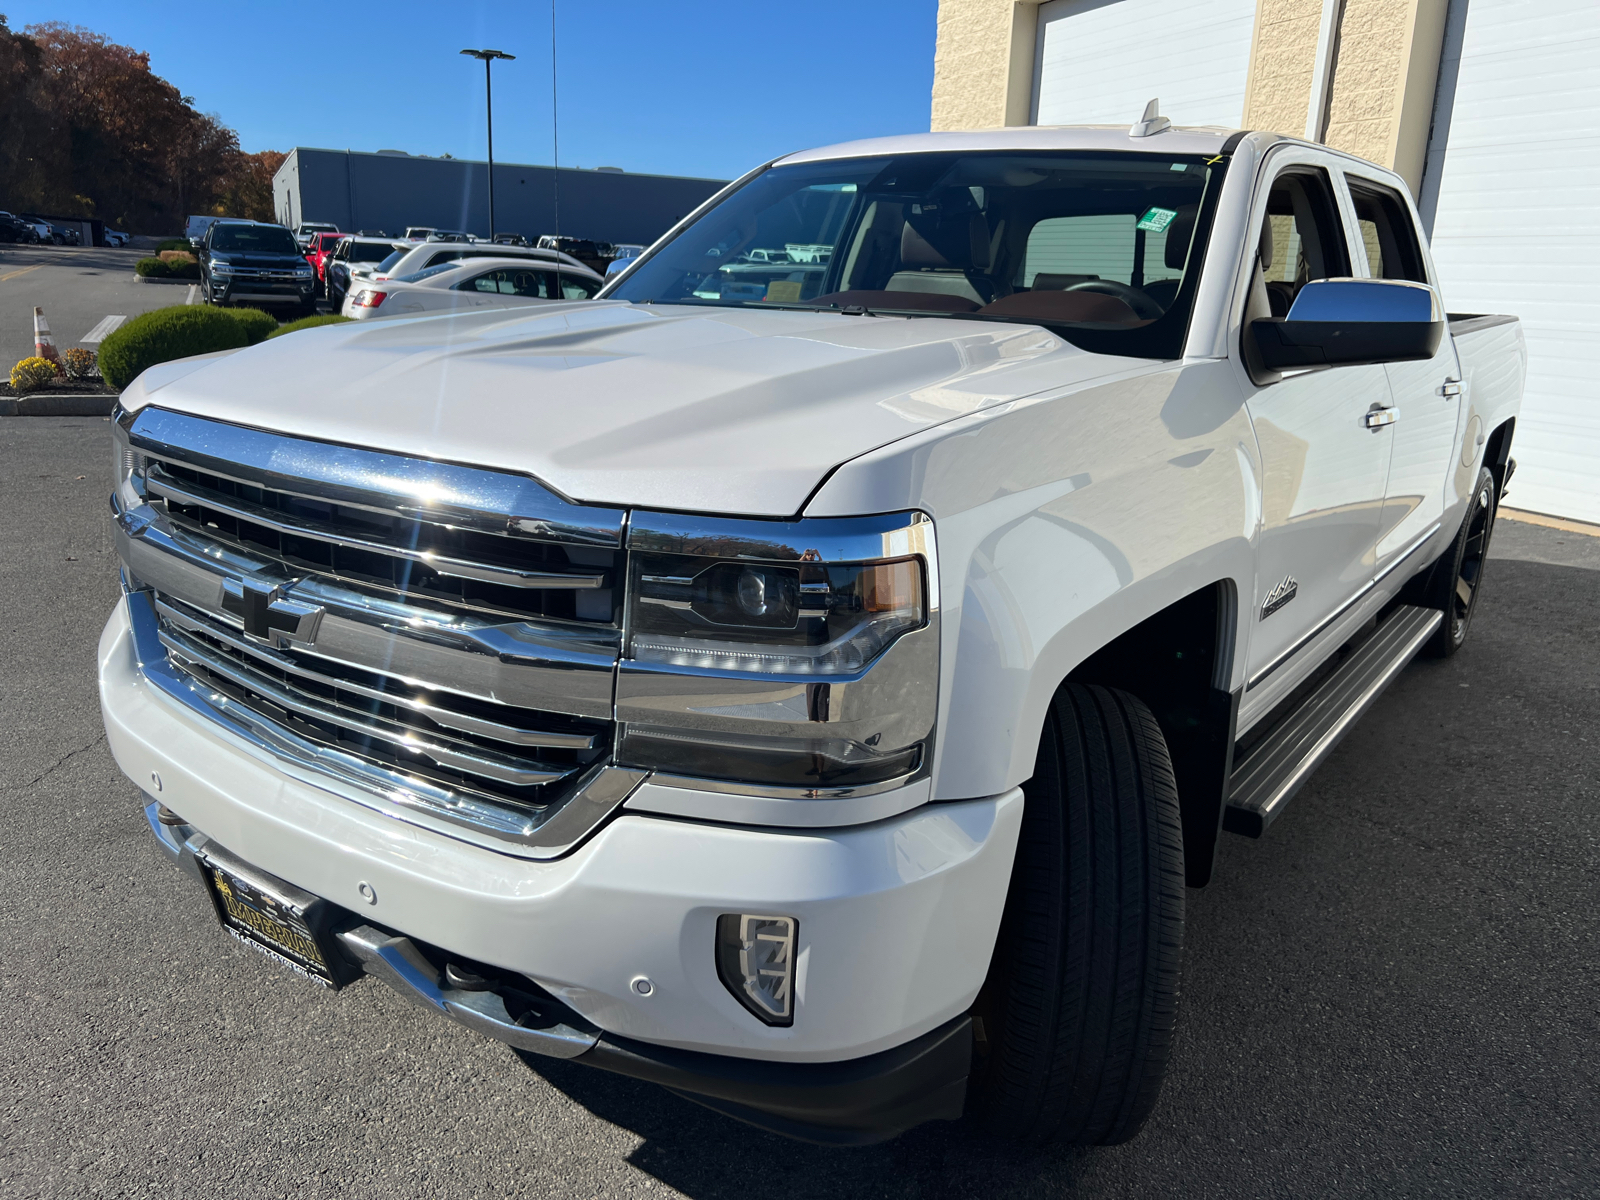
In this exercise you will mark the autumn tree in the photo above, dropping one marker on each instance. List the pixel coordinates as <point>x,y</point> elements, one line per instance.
<point>86,127</point>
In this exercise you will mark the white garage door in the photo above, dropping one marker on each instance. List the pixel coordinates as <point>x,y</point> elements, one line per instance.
<point>1517,224</point>
<point>1099,61</point>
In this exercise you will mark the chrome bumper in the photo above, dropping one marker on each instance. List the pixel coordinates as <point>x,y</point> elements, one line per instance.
<point>557,1032</point>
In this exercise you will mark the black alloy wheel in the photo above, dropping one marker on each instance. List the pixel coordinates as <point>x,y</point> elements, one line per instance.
<point>1459,575</point>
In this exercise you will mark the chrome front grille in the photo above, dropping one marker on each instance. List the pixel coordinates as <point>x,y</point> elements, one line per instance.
<point>264,274</point>
<point>495,755</point>
<point>403,556</point>
<point>446,636</point>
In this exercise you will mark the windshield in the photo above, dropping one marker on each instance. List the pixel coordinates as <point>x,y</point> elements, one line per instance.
<point>394,257</point>
<point>254,239</point>
<point>1104,248</point>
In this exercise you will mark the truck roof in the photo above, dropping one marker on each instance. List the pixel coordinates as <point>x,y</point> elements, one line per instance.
<point>1179,139</point>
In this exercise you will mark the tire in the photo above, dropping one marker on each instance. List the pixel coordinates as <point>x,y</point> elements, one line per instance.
<point>1074,1024</point>
<point>1457,578</point>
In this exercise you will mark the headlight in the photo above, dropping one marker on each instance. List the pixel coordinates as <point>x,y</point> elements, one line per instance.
<point>221,268</point>
<point>788,658</point>
<point>304,269</point>
<point>810,619</point>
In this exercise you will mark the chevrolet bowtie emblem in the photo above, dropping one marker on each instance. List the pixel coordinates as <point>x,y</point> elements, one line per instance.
<point>270,616</point>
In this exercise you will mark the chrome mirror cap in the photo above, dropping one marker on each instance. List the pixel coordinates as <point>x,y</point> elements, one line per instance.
<point>1358,301</point>
<point>1351,322</point>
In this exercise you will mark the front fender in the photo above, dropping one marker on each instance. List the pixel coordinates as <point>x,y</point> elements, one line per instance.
<point>1063,521</point>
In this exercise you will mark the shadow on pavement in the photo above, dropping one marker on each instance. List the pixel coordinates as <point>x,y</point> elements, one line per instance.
<point>711,1157</point>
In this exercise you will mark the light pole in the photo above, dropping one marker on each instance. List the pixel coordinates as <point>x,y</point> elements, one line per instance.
<point>488,57</point>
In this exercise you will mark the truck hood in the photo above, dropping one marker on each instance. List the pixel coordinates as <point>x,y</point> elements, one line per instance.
<point>663,406</point>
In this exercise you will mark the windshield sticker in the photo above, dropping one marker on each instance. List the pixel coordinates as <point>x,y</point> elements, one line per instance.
<point>1155,220</point>
<point>784,291</point>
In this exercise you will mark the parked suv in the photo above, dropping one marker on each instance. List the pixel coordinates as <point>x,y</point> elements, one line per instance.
<point>318,250</point>
<point>306,230</point>
<point>432,254</point>
<point>14,229</point>
<point>351,259</point>
<point>257,262</point>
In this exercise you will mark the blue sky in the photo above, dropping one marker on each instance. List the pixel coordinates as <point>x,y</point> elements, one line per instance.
<point>693,87</point>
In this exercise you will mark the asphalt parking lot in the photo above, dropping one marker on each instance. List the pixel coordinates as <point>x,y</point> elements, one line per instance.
<point>1395,993</point>
<point>76,286</point>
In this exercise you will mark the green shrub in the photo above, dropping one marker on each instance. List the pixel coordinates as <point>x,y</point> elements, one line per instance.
<point>183,270</point>
<point>257,325</point>
<point>153,268</point>
<point>176,244</point>
<point>166,334</point>
<point>309,323</point>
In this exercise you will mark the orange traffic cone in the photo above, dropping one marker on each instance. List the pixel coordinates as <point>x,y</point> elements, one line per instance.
<point>44,346</point>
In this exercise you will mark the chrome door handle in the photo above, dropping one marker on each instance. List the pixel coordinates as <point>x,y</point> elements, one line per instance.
<point>1379,417</point>
<point>1452,387</point>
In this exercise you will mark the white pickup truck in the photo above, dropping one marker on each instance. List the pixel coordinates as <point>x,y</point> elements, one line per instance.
<point>809,683</point>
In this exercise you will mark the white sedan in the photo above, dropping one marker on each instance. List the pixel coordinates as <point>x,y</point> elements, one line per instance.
<point>475,283</point>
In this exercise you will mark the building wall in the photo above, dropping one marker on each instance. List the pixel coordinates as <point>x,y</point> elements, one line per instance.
<point>983,63</point>
<point>1379,105</point>
<point>1283,60</point>
<point>390,191</point>
<point>1503,189</point>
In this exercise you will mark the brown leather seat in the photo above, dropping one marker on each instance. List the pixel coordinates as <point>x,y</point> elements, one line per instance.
<point>1063,306</point>
<point>918,301</point>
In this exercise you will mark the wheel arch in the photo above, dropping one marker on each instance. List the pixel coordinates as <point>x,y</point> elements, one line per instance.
<point>1180,662</point>
<point>1497,453</point>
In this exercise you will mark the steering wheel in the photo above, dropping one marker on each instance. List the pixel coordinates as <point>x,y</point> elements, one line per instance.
<point>1143,307</point>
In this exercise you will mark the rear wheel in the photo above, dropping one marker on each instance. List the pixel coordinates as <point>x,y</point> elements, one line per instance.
<point>1074,1024</point>
<point>1457,578</point>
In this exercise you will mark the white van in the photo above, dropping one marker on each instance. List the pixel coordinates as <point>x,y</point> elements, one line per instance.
<point>195,228</point>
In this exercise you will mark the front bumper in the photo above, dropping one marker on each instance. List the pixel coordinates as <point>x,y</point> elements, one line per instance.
<point>230,289</point>
<point>855,1102</point>
<point>897,918</point>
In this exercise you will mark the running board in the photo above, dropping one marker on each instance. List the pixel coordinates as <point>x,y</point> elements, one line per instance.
<point>1262,784</point>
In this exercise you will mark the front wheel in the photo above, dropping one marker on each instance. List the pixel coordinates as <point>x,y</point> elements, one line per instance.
<point>1074,1024</point>
<point>1457,579</point>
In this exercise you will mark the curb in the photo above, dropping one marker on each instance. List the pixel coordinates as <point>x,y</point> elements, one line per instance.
<point>157,279</point>
<point>57,406</point>
<point>1566,525</point>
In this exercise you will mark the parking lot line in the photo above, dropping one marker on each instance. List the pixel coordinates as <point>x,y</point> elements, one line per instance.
<point>106,327</point>
<point>22,271</point>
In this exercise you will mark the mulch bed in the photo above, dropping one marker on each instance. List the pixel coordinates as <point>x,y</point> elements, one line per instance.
<point>62,387</point>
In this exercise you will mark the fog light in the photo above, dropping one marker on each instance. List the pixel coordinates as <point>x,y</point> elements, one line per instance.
<point>755,958</point>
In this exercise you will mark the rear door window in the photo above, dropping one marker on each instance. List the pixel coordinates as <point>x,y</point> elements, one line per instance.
<point>1387,231</point>
<point>512,281</point>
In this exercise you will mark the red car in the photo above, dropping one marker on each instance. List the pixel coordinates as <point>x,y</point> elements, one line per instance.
<point>318,249</point>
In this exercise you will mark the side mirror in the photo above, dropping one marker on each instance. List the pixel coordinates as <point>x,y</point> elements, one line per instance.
<point>1345,322</point>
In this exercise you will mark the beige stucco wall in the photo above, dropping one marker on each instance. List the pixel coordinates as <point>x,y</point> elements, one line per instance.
<point>1380,105</point>
<point>1283,58</point>
<point>983,63</point>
